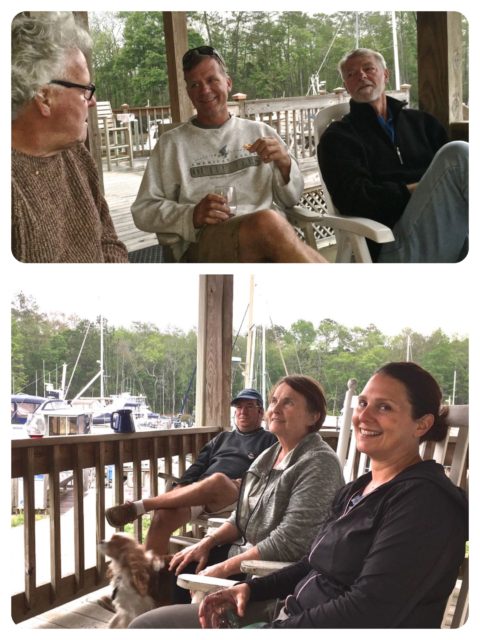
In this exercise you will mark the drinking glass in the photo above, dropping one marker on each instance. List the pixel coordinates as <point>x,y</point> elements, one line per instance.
<point>223,616</point>
<point>35,426</point>
<point>230,196</point>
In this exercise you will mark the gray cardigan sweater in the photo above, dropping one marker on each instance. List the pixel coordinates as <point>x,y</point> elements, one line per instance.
<point>294,499</point>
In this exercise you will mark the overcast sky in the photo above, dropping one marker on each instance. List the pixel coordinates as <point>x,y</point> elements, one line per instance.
<point>167,295</point>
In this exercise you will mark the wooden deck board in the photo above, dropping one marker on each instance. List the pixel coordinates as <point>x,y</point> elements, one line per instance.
<point>86,614</point>
<point>121,188</point>
<point>83,613</point>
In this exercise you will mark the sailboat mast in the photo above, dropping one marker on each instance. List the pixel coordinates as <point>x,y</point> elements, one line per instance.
<point>264,372</point>
<point>395,51</point>
<point>102,390</point>
<point>64,380</point>
<point>408,355</point>
<point>249,355</point>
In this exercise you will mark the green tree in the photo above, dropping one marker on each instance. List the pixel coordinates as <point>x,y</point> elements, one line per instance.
<point>129,58</point>
<point>161,364</point>
<point>268,54</point>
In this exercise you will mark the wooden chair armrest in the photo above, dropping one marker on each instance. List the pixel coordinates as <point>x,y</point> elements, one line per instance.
<point>168,476</point>
<point>183,541</point>
<point>262,567</point>
<point>203,584</point>
<point>215,523</point>
<point>169,479</point>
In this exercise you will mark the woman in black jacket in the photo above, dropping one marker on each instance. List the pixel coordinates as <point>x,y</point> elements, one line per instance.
<point>389,554</point>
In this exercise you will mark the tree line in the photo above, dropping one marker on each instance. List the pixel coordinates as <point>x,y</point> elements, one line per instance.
<point>268,54</point>
<point>141,359</point>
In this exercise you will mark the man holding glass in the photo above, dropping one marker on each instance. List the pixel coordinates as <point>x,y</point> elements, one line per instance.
<point>181,196</point>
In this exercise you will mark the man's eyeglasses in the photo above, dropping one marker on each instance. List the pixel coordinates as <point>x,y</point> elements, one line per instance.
<point>204,50</point>
<point>248,405</point>
<point>89,88</point>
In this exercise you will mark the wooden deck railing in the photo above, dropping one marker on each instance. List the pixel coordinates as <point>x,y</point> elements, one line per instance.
<point>144,453</point>
<point>292,118</point>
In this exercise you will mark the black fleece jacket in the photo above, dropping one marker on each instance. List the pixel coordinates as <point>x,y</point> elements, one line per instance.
<point>231,453</point>
<point>365,172</point>
<point>390,561</point>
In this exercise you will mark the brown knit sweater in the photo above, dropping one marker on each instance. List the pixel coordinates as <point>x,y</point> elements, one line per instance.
<point>58,211</point>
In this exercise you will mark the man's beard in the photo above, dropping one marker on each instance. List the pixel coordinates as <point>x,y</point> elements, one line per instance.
<point>373,94</point>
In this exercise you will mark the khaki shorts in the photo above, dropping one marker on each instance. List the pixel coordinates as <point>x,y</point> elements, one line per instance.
<point>224,512</point>
<point>216,243</point>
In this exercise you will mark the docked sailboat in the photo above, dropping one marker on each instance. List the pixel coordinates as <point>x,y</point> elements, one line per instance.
<point>143,416</point>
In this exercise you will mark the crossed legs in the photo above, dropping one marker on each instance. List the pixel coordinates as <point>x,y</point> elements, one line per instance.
<point>263,236</point>
<point>266,236</point>
<point>434,224</point>
<point>173,508</point>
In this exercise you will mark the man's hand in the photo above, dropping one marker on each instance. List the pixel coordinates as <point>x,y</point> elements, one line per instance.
<point>412,186</point>
<point>212,209</point>
<point>272,150</point>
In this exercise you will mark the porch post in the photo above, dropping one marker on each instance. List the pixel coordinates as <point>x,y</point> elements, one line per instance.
<point>439,36</point>
<point>176,43</point>
<point>93,142</point>
<point>214,351</point>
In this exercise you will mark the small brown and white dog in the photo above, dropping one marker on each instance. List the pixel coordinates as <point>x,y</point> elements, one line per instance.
<point>135,579</point>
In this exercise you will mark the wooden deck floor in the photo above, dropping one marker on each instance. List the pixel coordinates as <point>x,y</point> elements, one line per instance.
<point>121,188</point>
<point>85,613</point>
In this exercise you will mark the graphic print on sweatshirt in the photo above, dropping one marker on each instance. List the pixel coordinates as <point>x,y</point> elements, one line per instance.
<point>223,163</point>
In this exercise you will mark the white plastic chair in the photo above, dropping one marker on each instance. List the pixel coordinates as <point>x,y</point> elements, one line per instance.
<point>306,220</point>
<point>351,234</point>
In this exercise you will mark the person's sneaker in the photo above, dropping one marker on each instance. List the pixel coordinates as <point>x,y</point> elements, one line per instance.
<point>121,514</point>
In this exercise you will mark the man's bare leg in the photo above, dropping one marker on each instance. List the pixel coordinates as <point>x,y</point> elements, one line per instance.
<point>215,491</point>
<point>171,510</point>
<point>266,236</point>
<point>164,523</point>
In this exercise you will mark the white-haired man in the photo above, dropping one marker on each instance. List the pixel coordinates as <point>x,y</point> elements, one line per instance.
<point>395,165</point>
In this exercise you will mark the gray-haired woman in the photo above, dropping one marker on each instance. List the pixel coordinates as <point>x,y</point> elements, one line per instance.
<point>285,496</point>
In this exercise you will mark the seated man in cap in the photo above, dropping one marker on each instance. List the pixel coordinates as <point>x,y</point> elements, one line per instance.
<point>211,484</point>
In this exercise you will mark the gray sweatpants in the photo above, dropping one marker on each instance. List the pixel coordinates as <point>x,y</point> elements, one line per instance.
<point>185,616</point>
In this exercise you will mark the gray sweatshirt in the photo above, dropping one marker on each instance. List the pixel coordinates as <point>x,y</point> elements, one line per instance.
<point>188,162</point>
<point>280,509</point>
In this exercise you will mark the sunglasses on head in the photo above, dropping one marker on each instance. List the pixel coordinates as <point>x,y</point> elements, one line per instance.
<point>192,54</point>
